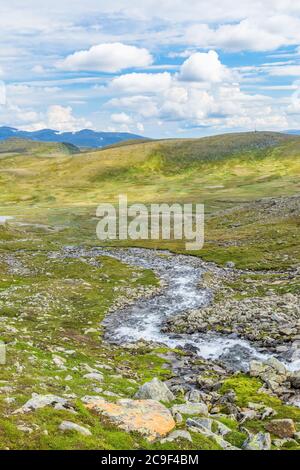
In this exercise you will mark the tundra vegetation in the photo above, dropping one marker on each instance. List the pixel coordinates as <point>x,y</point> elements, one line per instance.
<point>52,302</point>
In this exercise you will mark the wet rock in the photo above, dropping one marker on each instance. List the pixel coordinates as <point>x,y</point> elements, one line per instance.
<point>237,358</point>
<point>155,390</point>
<point>191,409</point>
<point>282,427</point>
<point>69,426</point>
<point>148,417</point>
<point>175,435</point>
<point>260,441</point>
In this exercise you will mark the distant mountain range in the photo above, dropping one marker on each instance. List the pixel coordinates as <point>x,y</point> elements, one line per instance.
<point>83,138</point>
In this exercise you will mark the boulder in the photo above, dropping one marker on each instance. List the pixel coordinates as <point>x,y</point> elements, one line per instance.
<point>41,401</point>
<point>95,376</point>
<point>155,390</point>
<point>195,425</point>
<point>260,441</point>
<point>69,426</point>
<point>294,379</point>
<point>191,409</point>
<point>281,427</point>
<point>148,417</point>
<point>204,424</point>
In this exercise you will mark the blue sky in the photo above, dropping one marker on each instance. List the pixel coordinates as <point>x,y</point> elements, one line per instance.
<point>158,68</point>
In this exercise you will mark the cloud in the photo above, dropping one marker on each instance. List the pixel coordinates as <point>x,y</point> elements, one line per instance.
<point>284,70</point>
<point>57,117</point>
<point>143,105</point>
<point>38,69</point>
<point>2,93</point>
<point>260,33</point>
<point>121,118</point>
<point>204,67</point>
<point>110,57</point>
<point>141,83</point>
<point>62,119</point>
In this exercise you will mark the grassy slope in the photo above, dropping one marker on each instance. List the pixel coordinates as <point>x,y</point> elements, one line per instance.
<point>221,172</point>
<point>57,299</point>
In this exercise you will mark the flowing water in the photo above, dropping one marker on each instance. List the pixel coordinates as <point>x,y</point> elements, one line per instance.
<point>144,320</point>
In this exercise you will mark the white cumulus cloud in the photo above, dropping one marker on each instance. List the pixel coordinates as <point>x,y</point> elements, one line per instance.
<point>204,67</point>
<point>108,57</point>
<point>141,83</point>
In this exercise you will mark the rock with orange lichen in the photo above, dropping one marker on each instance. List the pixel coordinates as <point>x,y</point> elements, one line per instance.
<point>148,417</point>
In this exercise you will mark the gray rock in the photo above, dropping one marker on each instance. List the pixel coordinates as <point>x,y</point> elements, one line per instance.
<point>207,433</point>
<point>155,390</point>
<point>260,441</point>
<point>69,426</point>
<point>191,409</point>
<point>96,376</point>
<point>193,396</point>
<point>204,424</point>
<point>221,429</point>
<point>25,429</point>
<point>230,264</point>
<point>277,365</point>
<point>41,401</point>
<point>180,434</point>
<point>294,379</point>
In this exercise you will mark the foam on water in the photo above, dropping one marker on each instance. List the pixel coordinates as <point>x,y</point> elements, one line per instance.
<point>145,319</point>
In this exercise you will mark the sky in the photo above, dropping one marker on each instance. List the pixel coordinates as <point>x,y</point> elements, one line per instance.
<point>159,68</point>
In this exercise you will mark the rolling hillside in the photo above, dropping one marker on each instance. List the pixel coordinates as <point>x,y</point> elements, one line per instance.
<point>225,172</point>
<point>18,146</point>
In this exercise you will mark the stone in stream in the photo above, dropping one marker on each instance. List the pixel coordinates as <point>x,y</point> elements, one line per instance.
<point>237,358</point>
<point>281,427</point>
<point>69,426</point>
<point>155,390</point>
<point>148,417</point>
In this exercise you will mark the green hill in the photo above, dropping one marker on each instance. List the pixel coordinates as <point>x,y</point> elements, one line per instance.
<point>223,172</point>
<point>25,146</point>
